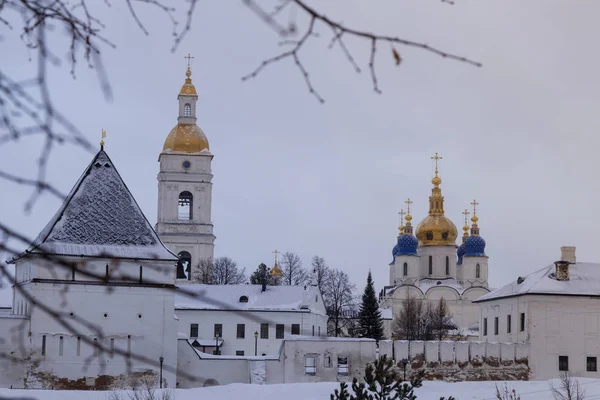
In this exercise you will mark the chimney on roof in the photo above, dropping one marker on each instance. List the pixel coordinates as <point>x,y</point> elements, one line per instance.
<point>567,256</point>
<point>567,253</point>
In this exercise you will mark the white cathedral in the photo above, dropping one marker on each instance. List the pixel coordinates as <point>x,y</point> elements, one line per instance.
<point>430,266</point>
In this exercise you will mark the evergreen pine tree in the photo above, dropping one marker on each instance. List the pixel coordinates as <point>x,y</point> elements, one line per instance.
<point>369,320</point>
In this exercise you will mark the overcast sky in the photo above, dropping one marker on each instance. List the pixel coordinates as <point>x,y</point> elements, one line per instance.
<point>519,134</point>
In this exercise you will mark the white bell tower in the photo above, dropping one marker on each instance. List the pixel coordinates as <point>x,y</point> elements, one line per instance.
<point>185,188</point>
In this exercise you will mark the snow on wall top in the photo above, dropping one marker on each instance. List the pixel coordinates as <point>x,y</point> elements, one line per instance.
<point>100,217</point>
<point>584,279</point>
<point>227,297</point>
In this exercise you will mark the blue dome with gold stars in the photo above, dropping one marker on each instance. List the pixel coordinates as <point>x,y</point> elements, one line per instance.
<point>406,246</point>
<point>475,246</point>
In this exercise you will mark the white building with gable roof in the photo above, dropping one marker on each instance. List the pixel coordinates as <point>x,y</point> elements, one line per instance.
<point>556,310</point>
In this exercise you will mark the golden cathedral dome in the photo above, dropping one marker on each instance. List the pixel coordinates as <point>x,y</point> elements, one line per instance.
<point>186,138</point>
<point>436,230</point>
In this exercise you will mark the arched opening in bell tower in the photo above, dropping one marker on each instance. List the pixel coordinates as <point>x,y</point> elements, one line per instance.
<point>184,211</point>
<point>187,110</point>
<point>184,265</point>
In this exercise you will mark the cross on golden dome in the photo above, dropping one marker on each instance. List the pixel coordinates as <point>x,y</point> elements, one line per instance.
<point>436,158</point>
<point>408,203</point>
<point>276,252</point>
<point>466,213</point>
<point>474,203</point>
<point>401,226</point>
<point>189,60</point>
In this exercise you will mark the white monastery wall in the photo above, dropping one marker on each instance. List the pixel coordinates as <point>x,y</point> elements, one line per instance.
<point>447,351</point>
<point>432,351</point>
<point>14,349</point>
<point>462,352</point>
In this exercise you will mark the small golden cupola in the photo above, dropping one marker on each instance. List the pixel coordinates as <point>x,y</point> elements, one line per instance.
<point>276,271</point>
<point>186,136</point>
<point>436,229</point>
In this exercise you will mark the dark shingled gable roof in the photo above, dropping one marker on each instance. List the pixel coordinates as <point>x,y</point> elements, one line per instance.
<point>100,218</point>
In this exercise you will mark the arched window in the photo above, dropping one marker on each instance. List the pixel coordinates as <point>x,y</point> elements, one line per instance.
<point>184,266</point>
<point>405,269</point>
<point>186,200</point>
<point>187,110</point>
<point>447,265</point>
<point>477,271</point>
<point>243,299</point>
<point>430,265</point>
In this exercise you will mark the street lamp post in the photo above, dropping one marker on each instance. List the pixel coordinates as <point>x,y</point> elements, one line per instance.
<point>217,344</point>
<point>404,362</point>
<point>255,342</point>
<point>161,359</point>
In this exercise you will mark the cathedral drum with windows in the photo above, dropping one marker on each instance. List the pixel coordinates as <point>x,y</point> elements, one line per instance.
<point>429,266</point>
<point>185,188</point>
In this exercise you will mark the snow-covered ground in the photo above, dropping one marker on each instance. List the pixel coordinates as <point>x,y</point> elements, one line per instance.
<point>313,391</point>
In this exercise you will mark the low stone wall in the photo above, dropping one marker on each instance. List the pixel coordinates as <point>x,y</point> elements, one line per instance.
<point>460,361</point>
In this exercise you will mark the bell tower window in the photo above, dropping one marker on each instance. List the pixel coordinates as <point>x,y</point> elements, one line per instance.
<point>184,212</point>
<point>187,110</point>
<point>405,269</point>
<point>477,271</point>
<point>447,265</point>
<point>184,266</point>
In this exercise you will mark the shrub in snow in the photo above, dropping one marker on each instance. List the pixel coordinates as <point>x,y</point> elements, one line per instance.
<point>382,382</point>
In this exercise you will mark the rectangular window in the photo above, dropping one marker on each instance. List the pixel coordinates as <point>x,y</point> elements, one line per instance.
<point>405,269</point>
<point>591,364</point>
<point>264,331</point>
<point>522,327</point>
<point>43,345</point>
<point>327,361</point>
<point>60,346</point>
<point>485,327</point>
<point>342,366</point>
<point>218,330</point>
<point>496,323</point>
<point>310,366</point>
<point>563,363</point>
<point>78,346</point>
<point>279,329</point>
<point>295,329</point>
<point>240,331</point>
<point>508,323</point>
<point>239,352</point>
<point>313,330</point>
<point>194,330</point>
<point>318,331</point>
<point>141,274</point>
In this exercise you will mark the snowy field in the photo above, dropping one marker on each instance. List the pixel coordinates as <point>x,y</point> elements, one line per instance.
<point>309,391</point>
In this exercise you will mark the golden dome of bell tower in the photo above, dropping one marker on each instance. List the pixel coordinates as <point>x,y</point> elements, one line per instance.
<point>186,136</point>
<point>436,229</point>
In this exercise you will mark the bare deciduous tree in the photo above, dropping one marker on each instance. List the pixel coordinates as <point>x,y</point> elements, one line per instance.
<point>292,272</point>
<point>322,273</point>
<point>567,388</point>
<point>440,320</point>
<point>419,321</point>
<point>227,272</point>
<point>339,300</point>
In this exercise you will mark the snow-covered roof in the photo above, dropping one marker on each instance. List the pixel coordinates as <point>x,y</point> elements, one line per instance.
<point>227,297</point>
<point>584,280</point>
<point>100,218</point>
